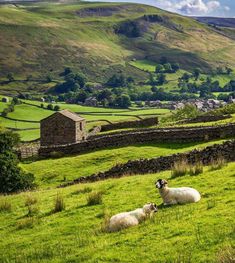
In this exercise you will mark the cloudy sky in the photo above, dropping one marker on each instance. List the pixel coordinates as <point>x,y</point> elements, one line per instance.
<point>225,8</point>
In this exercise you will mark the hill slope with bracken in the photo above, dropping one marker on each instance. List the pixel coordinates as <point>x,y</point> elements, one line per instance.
<point>99,39</point>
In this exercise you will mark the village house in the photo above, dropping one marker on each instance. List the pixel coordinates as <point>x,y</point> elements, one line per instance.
<point>62,127</point>
<point>91,101</point>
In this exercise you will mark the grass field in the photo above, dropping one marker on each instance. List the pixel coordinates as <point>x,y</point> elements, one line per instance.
<point>172,78</point>
<point>196,233</point>
<point>52,172</point>
<point>94,116</point>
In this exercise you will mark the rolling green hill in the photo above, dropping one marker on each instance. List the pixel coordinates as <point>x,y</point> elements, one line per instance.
<point>201,232</point>
<point>99,39</point>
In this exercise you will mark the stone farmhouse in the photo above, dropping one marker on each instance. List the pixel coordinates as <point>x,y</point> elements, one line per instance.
<point>62,127</point>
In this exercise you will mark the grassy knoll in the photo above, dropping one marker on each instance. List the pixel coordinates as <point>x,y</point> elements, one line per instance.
<point>194,233</point>
<point>53,172</point>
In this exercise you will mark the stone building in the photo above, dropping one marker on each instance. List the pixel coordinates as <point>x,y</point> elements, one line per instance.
<point>62,127</point>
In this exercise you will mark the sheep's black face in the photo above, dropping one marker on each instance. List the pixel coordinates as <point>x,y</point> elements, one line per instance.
<point>160,183</point>
<point>154,208</point>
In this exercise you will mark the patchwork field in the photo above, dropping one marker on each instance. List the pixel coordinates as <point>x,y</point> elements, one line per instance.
<point>95,116</point>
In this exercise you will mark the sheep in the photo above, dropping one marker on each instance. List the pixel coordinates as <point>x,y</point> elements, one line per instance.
<point>180,195</point>
<point>132,218</point>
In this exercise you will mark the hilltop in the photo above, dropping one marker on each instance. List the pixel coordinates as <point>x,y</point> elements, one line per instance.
<point>99,39</point>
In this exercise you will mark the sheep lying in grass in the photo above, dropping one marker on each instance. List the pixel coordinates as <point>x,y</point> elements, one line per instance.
<point>180,195</point>
<point>132,218</point>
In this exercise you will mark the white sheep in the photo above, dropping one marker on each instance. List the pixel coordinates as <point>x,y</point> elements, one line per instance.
<point>132,218</point>
<point>180,195</point>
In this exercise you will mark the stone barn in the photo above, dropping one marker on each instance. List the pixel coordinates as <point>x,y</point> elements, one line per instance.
<point>62,127</point>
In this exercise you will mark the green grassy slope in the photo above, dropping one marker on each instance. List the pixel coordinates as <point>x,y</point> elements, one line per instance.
<point>200,232</point>
<point>53,172</point>
<point>45,37</point>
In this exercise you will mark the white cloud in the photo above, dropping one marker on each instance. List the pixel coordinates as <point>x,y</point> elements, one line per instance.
<point>227,8</point>
<point>190,7</point>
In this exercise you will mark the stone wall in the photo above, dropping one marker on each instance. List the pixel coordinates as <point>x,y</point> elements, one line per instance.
<point>155,165</point>
<point>126,138</point>
<point>207,118</point>
<point>146,122</point>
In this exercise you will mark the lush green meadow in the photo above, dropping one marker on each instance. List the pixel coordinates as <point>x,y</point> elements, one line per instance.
<point>95,116</point>
<point>201,232</point>
<point>53,172</point>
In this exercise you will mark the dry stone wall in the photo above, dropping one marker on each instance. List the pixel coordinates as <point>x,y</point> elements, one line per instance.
<point>154,165</point>
<point>143,136</point>
<point>207,118</point>
<point>147,122</point>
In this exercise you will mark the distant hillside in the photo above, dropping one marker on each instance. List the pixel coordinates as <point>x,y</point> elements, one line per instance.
<point>217,21</point>
<point>99,39</point>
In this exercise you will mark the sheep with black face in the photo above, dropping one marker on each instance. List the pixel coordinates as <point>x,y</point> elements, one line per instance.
<point>132,218</point>
<point>181,195</point>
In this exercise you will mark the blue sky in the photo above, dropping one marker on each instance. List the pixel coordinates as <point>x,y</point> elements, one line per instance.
<point>222,8</point>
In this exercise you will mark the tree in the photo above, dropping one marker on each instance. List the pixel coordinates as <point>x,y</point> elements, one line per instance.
<point>10,77</point>
<point>229,70</point>
<point>167,68</point>
<point>116,81</point>
<point>80,79</point>
<point>159,68</point>
<point>56,108</point>
<point>50,107</point>
<point>82,96</point>
<point>123,101</point>
<point>175,66</point>
<point>104,94</point>
<point>161,79</point>
<point>12,177</point>
<point>185,77</point>
<point>196,73</point>
<point>188,111</point>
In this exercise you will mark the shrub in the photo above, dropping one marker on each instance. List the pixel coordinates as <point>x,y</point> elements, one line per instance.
<point>30,200</point>
<point>50,107</point>
<point>179,168</point>
<point>83,191</point>
<point>59,204</point>
<point>218,163</point>
<point>5,206</point>
<point>26,223</point>
<point>12,177</point>
<point>105,223</point>
<point>32,210</point>
<point>56,108</point>
<point>196,169</point>
<point>226,255</point>
<point>95,198</point>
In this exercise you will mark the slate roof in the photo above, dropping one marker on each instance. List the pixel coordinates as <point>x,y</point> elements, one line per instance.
<point>71,115</point>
